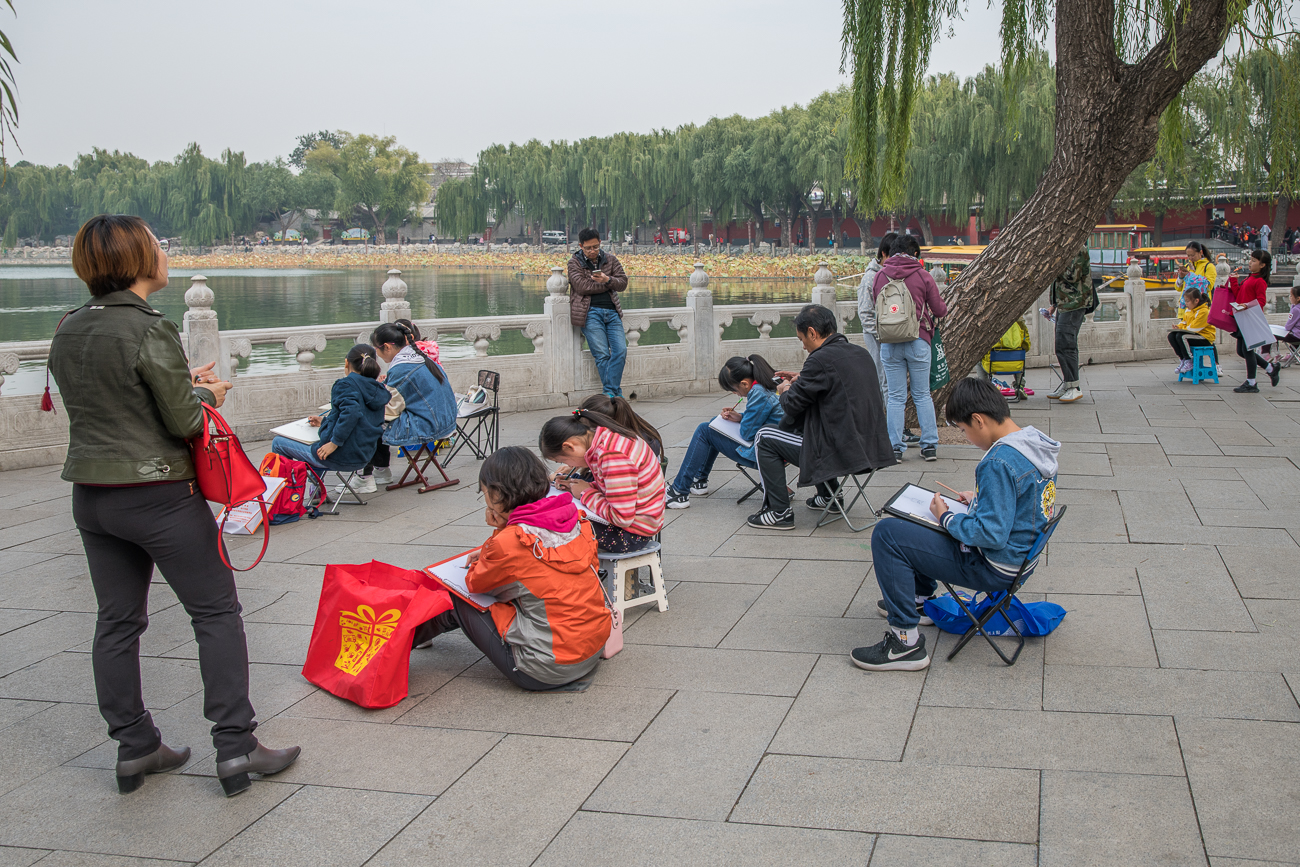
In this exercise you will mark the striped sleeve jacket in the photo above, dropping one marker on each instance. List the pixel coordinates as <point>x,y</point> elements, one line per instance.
<point>628,489</point>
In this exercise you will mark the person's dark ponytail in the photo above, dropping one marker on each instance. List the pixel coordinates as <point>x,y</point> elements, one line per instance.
<point>578,423</point>
<point>1265,258</point>
<point>361,358</point>
<point>401,335</point>
<point>754,367</point>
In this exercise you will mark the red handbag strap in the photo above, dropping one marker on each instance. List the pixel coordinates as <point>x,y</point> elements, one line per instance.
<point>266,538</point>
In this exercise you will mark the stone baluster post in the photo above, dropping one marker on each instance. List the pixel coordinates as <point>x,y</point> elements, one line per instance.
<point>8,366</point>
<point>304,347</point>
<point>564,342</point>
<point>395,305</point>
<point>704,336</point>
<point>1136,288</point>
<point>824,286</point>
<point>203,337</point>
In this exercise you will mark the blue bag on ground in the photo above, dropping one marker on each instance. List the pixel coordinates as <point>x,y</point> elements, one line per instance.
<point>1031,618</point>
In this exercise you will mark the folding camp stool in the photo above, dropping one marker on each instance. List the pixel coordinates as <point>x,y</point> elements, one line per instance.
<point>621,567</point>
<point>483,437</point>
<point>755,487</point>
<point>1002,599</point>
<point>837,510</point>
<point>1288,356</point>
<point>413,465</point>
<point>346,479</point>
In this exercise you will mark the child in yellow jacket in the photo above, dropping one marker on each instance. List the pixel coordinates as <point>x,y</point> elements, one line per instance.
<point>1194,328</point>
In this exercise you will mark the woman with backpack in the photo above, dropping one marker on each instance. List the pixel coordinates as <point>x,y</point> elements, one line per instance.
<point>908,306</point>
<point>1071,296</point>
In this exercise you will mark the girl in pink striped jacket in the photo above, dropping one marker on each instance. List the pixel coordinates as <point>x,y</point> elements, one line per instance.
<point>627,486</point>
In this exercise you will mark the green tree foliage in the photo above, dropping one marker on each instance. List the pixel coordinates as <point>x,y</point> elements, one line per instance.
<point>277,193</point>
<point>378,181</point>
<point>307,143</point>
<point>8,85</point>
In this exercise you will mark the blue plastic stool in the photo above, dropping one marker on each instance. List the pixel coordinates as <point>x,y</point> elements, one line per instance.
<point>1203,366</point>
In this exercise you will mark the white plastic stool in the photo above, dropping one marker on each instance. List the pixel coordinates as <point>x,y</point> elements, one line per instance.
<point>619,567</point>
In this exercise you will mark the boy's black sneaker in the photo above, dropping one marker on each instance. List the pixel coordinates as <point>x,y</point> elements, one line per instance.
<point>1247,388</point>
<point>898,455</point>
<point>700,487</point>
<point>674,500</point>
<point>821,501</point>
<point>920,612</point>
<point>930,453</point>
<point>910,438</point>
<point>1274,374</point>
<point>892,655</point>
<point>772,520</point>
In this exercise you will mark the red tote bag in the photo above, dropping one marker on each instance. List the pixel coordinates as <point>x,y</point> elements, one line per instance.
<point>361,644</point>
<point>1221,309</point>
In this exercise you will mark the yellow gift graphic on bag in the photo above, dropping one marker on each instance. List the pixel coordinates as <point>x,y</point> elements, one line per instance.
<point>364,634</point>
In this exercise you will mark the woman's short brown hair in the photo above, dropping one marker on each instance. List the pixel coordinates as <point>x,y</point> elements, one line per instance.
<point>112,251</point>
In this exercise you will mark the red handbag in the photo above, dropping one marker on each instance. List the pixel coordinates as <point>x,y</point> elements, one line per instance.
<point>226,476</point>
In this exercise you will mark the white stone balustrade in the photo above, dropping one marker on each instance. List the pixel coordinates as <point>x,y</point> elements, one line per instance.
<point>557,372</point>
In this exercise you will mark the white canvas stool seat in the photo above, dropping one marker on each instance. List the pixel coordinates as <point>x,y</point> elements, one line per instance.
<point>620,568</point>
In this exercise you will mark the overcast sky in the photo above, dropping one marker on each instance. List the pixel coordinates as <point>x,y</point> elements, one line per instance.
<point>448,79</point>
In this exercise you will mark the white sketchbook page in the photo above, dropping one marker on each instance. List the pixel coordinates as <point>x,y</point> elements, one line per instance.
<point>729,429</point>
<point>242,517</point>
<point>915,501</point>
<point>452,573</point>
<point>299,431</point>
<point>583,510</point>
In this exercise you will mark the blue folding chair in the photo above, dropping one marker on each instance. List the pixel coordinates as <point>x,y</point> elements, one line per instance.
<point>1002,599</point>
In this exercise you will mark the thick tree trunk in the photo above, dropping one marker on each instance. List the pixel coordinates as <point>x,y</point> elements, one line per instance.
<point>1107,123</point>
<point>864,232</point>
<point>1158,231</point>
<point>1276,240</point>
<point>785,227</point>
<point>927,233</point>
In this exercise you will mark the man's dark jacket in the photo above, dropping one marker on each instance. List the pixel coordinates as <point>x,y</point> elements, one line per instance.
<point>836,402</point>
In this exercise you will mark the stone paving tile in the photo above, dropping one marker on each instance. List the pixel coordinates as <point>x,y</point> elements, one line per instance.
<point>174,816</point>
<point>801,634</point>
<point>385,758</point>
<point>1045,741</point>
<point>317,826</point>
<point>1199,596</point>
<point>12,857</point>
<point>508,807</point>
<point>612,713</point>
<point>846,712</point>
<point>646,841</point>
<point>1245,779</point>
<point>1262,573</point>
<point>707,670</point>
<point>893,850</point>
<point>1169,691</point>
<point>90,859</point>
<point>41,742</point>
<point>1101,630</point>
<point>700,615</point>
<point>694,759</point>
<point>892,798</point>
<point>67,677</point>
<point>1109,819</point>
<point>820,590</point>
<point>978,678</point>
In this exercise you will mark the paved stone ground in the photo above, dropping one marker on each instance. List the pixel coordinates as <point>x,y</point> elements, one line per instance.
<point>1158,725</point>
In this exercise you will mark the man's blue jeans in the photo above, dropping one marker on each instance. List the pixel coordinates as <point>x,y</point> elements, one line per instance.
<point>706,445</point>
<point>909,559</point>
<point>900,361</point>
<point>608,344</point>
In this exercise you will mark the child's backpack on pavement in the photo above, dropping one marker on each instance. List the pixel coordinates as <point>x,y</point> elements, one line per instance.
<point>896,319</point>
<point>301,487</point>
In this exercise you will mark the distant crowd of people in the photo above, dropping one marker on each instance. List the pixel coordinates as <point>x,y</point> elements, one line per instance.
<point>1250,238</point>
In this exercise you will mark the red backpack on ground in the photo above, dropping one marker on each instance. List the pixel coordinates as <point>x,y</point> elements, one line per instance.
<point>301,486</point>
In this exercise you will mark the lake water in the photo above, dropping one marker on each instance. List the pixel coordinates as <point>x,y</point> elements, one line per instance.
<point>34,297</point>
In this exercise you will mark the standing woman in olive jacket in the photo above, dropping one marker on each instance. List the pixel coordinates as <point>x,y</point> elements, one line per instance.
<point>132,402</point>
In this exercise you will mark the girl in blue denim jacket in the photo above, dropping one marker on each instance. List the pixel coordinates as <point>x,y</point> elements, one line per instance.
<point>430,413</point>
<point>751,378</point>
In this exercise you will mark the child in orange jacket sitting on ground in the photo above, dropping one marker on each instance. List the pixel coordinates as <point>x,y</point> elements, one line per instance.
<point>550,622</point>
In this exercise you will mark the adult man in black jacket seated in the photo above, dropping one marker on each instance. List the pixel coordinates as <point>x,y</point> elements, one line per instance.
<point>834,421</point>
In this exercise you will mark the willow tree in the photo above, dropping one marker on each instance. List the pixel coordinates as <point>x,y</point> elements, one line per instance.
<point>1119,65</point>
<point>1259,117</point>
<point>462,207</point>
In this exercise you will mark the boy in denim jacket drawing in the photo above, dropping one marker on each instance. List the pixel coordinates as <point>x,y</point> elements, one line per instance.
<point>982,550</point>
